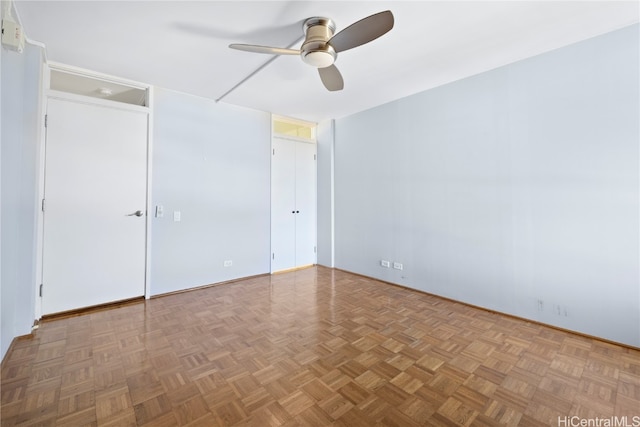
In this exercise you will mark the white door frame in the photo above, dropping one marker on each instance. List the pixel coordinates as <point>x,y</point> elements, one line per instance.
<point>298,140</point>
<point>47,94</point>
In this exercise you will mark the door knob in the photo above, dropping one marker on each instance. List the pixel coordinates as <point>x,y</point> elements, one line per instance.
<point>136,213</point>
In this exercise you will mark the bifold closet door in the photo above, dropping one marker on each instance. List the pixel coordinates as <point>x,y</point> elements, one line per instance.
<point>306,194</point>
<point>94,208</point>
<point>293,204</point>
<point>283,203</point>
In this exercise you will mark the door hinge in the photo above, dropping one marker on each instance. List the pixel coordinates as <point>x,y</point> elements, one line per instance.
<point>41,285</point>
<point>273,256</point>
<point>42,205</point>
<point>314,157</point>
<point>46,120</point>
<point>315,249</point>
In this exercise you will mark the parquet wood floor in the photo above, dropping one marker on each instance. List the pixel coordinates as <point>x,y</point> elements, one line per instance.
<point>314,347</point>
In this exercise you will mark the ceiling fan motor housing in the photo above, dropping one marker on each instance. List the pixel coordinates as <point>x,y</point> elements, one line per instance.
<point>315,50</point>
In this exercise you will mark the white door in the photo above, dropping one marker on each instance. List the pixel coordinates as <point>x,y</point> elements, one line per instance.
<point>293,204</point>
<point>283,203</point>
<point>306,193</point>
<point>95,198</point>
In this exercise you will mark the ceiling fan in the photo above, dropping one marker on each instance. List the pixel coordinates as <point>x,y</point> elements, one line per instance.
<point>321,47</point>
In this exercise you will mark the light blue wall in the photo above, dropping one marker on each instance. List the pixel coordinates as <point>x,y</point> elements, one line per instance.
<point>211,162</point>
<point>19,190</point>
<point>511,187</point>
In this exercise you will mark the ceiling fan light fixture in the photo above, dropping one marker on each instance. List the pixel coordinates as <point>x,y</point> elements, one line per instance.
<point>320,58</point>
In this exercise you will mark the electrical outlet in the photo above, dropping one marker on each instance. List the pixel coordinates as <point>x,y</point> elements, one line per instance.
<point>540,305</point>
<point>177,216</point>
<point>385,263</point>
<point>397,266</point>
<point>228,263</point>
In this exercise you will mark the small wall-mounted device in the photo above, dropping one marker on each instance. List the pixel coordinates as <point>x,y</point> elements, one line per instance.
<point>12,35</point>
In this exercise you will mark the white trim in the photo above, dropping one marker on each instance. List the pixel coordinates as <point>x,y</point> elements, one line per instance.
<point>41,155</point>
<point>56,66</point>
<point>271,195</point>
<point>150,211</point>
<point>293,138</point>
<point>333,194</point>
<point>56,94</point>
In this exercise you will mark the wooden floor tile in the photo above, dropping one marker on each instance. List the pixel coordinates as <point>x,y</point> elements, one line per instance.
<point>314,347</point>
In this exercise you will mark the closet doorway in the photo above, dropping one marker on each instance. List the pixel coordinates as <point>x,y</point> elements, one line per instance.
<point>293,195</point>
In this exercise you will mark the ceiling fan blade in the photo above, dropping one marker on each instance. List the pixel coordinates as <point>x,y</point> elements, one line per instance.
<point>264,49</point>
<point>363,31</point>
<point>331,78</point>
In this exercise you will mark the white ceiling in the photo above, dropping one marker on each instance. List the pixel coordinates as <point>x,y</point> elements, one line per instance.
<point>182,45</point>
